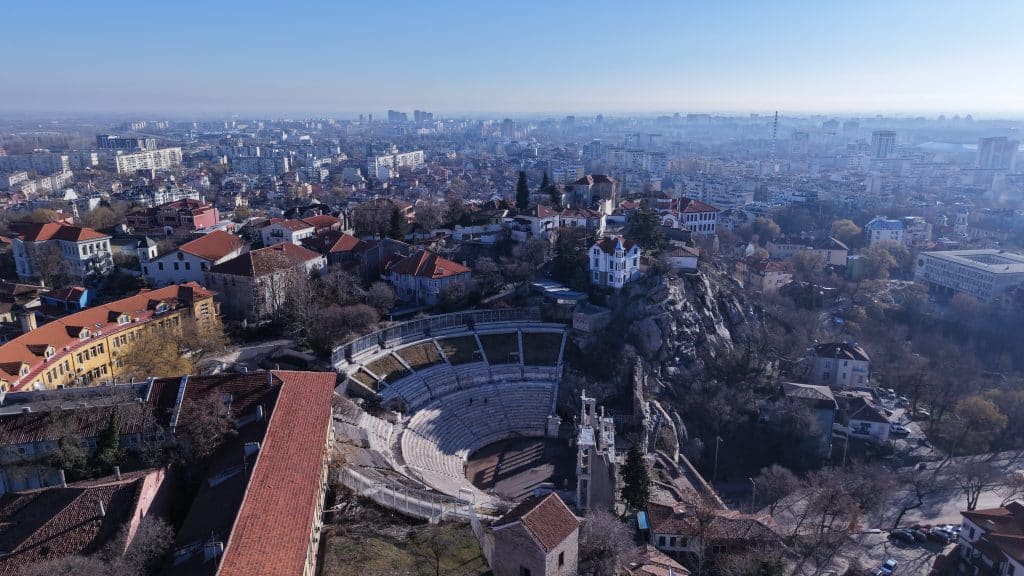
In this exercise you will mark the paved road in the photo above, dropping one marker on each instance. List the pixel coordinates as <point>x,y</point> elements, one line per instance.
<point>250,355</point>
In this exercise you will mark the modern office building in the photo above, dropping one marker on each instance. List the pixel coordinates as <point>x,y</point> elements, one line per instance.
<point>982,274</point>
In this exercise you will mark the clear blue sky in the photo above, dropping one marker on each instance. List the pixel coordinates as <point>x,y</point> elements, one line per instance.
<point>515,57</point>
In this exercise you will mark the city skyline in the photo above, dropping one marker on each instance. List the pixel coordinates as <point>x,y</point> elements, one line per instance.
<point>530,58</point>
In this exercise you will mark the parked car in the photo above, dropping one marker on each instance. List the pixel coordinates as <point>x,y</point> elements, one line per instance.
<point>889,567</point>
<point>941,535</point>
<point>898,430</point>
<point>902,535</point>
<point>921,415</point>
<point>919,535</point>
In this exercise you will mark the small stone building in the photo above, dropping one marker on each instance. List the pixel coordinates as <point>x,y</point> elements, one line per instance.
<point>539,537</point>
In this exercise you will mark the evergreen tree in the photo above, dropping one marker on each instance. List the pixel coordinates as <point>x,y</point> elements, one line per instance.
<point>636,479</point>
<point>396,226</point>
<point>522,192</point>
<point>556,197</point>
<point>108,451</point>
<point>645,228</point>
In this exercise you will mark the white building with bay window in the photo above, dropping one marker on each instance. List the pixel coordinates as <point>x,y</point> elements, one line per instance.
<point>614,262</point>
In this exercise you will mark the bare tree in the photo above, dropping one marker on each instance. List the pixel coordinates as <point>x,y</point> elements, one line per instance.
<point>381,296</point>
<point>975,477</point>
<point>605,542</point>
<point>774,483</point>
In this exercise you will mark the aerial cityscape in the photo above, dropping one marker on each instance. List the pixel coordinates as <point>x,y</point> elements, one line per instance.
<point>530,289</point>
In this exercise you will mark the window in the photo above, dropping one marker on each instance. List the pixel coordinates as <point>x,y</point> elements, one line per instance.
<point>661,541</point>
<point>160,265</point>
<point>175,265</point>
<point>188,265</point>
<point>672,542</point>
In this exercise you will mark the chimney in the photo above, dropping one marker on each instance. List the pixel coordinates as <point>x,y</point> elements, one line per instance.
<point>28,322</point>
<point>117,472</point>
<point>63,480</point>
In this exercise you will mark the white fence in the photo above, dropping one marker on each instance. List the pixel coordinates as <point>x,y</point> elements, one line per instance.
<point>416,504</point>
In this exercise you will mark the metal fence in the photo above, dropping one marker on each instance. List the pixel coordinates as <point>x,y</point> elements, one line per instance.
<point>416,330</point>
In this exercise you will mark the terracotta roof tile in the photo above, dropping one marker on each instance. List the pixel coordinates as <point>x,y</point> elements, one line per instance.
<point>57,231</point>
<point>426,264</point>
<point>546,517</point>
<point>213,246</point>
<point>271,536</point>
<point>266,260</point>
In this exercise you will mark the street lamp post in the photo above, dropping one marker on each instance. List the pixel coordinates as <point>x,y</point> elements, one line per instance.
<point>753,494</point>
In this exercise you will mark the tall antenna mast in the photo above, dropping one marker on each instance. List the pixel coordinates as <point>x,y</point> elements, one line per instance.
<point>775,132</point>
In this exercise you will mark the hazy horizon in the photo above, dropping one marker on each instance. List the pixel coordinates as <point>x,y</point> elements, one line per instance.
<point>522,59</point>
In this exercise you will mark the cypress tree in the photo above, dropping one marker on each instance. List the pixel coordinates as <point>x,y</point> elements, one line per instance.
<point>636,479</point>
<point>522,192</point>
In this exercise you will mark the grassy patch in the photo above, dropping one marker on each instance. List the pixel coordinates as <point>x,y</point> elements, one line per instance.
<point>349,553</point>
<point>388,368</point>
<point>420,355</point>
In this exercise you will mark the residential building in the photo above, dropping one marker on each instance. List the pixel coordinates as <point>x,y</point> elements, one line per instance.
<point>614,262</point>
<point>113,142</point>
<point>260,165</point>
<point>820,401</point>
<point>593,190</point>
<point>653,562</point>
<point>677,530</point>
<point>981,274</point>
<point>82,348</point>
<point>681,259</point>
<point>40,163</point>
<point>82,253</point>
<point>253,286</point>
<point>540,222</point>
<point>160,159</point>
<point>997,153</point>
<point>839,365</point>
<point>865,419</point>
<point>693,215</point>
<point>882,228</point>
<point>583,218</point>
<point>190,261</point>
<point>883,144</point>
<point>829,251</point>
<point>174,218</point>
<point>762,274</point>
<point>991,541</point>
<point>78,519</point>
<point>383,166</point>
<point>539,537</point>
<point>290,231</point>
<point>421,277</point>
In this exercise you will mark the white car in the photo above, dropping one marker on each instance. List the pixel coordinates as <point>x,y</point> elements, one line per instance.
<point>889,567</point>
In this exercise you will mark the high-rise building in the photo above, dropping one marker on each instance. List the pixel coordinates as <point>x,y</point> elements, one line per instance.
<point>113,142</point>
<point>160,159</point>
<point>883,143</point>
<point>996,153</point>
<point>421,116</point>
<point>396,116</point>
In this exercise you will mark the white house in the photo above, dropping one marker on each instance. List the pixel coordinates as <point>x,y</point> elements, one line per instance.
<point>867,420</point>
<point>290,231</point>
<point>682,259</point>
<point>991,541</point>
<point>881,228</point>
<point>693,215</point>
<point>420,277</point>
<point>539,222</point>
<point>585,218</point>
<point>614,262</point>
<point>839,365</point>
<point>191,260</point>
<point>84,252</point>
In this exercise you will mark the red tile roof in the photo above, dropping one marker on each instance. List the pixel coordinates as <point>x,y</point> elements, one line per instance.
<point>691,205</point>
<point>426,264</point>
<point>58,522</point>
<point>608,244</point>
<point>546,517</point>
<point>266,260</point>
<point>295,225</point>
<point>64,331</point>
<point>57,231</point>
<point>213,246</point>
<point>272,532</point>
<point>322,221</point>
